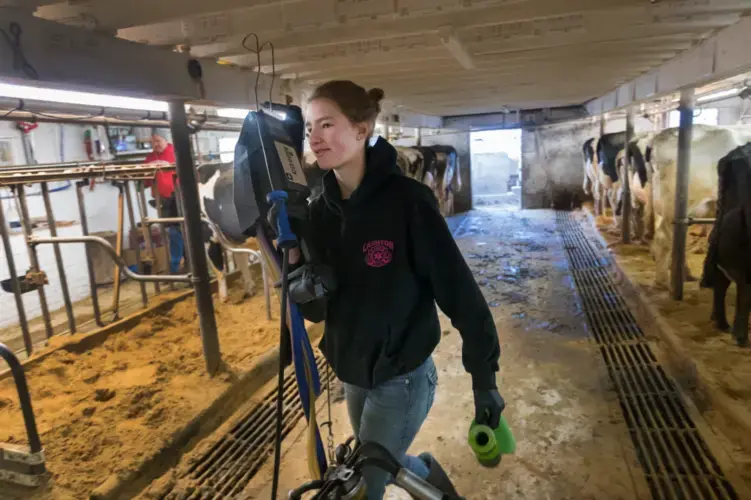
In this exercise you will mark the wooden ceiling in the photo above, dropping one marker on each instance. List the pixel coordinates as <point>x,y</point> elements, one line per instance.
<point>438,57</point>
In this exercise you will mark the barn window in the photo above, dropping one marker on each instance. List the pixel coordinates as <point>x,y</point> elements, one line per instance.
<point>705,116</point>
<point>227,149</point>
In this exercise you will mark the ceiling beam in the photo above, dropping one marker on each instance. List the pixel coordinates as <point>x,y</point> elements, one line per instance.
<point>69,58</point>
<point>109,15</point>
<point>367,29</point>
<point>724,55</point>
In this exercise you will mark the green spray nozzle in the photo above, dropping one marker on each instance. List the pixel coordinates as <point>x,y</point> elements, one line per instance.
<point>490,444</point>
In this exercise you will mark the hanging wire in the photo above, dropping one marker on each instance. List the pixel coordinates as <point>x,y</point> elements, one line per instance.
<point>257,51</point>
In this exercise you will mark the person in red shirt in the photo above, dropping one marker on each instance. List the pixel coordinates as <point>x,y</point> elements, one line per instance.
<point>163,151</point>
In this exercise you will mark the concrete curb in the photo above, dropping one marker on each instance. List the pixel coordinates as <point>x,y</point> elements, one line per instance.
<point>690,375</point>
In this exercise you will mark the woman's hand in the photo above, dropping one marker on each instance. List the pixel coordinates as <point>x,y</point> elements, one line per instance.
<point>489,405</point>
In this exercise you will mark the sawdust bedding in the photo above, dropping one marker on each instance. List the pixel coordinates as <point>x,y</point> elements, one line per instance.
<point>728,365</point>
<point>107,409</point>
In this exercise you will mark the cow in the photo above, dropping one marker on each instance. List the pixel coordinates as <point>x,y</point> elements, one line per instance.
<point>607,148</point>
<point>590,185</point>
<point>447,164</point>
<point>215,190</point>
<point>708,144</point>
<point>727,257</point>
<point>410,162</point>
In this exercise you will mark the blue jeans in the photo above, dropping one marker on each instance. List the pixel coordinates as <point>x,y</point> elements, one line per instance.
<point>390,415</point>
<point>176,248</point>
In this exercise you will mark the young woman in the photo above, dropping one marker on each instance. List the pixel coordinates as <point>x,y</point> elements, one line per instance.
<point>393,257</point>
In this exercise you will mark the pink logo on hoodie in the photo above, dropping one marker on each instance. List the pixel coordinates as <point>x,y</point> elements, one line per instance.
<point>378,253</point>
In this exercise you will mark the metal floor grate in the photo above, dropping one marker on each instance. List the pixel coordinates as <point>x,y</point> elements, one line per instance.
<point>676,461</point>
<point>229,465</point>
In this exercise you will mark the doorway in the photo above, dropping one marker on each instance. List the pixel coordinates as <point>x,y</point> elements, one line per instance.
<point>496,167</point>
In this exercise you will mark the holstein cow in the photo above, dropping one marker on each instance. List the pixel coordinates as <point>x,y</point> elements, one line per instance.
<point>215,190</point>
<point>410,162</point>
<point>591,183</point>
<point>730,242</point>
<point>607,148</point>
<point>447,161</point>
<point>639,184</point>
<point>709,143</point>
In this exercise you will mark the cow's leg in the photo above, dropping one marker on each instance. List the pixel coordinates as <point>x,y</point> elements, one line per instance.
<point>597,195</point>
<point>638,217</point>
<point>216,261</point>
<point>243,264</point>
<point>743,304</point>
<point>719,292</point>
<point>661,249</point>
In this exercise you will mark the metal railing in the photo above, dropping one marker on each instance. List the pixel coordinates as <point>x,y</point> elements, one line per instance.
<point>16,466</point>
<point>121,176</point>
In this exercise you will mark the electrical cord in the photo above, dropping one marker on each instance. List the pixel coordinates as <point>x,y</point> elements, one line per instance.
<point>20,63</point>
<point>280,377</point>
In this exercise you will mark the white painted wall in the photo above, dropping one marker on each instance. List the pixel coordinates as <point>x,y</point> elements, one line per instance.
<point>101,208</point>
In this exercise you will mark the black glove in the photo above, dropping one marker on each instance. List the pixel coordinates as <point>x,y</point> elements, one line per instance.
<point>295,210</point>
<point>488,407</point>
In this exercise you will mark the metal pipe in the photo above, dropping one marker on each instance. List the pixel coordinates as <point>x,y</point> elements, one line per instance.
<point>89,261</point>
<point>119,261</point>
<point>69,164</point>
<point>685,132</point>
<point>147,231</point>
<point>23,212</point>
<point>24,399</point>
<point>119,243</point>
<point>626,181</point>
<point>137,249</point>
<point>14,282</point>
<point>59,258</point>
<point>691,221</point>
<point>17,116</point>
<point>189,202</point>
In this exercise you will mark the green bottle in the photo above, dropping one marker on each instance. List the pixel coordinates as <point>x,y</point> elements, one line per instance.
<point>490,444</point>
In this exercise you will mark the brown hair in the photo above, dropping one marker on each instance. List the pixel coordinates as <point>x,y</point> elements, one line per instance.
<point>356,103</point>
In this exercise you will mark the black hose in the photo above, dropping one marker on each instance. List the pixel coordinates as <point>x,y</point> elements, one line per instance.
<point>280,380</point>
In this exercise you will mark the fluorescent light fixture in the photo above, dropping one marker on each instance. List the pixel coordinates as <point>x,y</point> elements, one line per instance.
<point>718,95</point>
<point>242,113</point>
<point>80,98</point>
<point>233,113</point>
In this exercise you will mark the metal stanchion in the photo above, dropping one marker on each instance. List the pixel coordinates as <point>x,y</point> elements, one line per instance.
<point>147,231</point>
<point>189,202</point>
<point>137,249</point>
<point>626,180</point>
<point>89,261</point>
<point>163,229</point>
<point>15,284</point>
<point>58,258</point>
<point>23,212</point>
<point>680,231</point>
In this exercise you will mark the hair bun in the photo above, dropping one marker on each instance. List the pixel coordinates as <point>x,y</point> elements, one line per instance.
<point>376,95</point>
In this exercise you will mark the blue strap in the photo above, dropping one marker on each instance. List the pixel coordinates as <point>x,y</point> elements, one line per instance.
<point>302,351</point>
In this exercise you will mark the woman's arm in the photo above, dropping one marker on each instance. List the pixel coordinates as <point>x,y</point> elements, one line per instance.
<point>439,260</point>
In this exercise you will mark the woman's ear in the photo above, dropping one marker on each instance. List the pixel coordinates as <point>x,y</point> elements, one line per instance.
<point>362,131</point>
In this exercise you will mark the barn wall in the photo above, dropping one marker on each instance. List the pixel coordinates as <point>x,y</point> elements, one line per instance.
<point>101,208</point>
<point>552,160</point>
<point>459,140</point>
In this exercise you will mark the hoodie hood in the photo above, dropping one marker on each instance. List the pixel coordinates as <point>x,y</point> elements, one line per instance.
<point>380,165</point>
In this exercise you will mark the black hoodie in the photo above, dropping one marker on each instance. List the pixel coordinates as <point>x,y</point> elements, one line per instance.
<point>394,257</point>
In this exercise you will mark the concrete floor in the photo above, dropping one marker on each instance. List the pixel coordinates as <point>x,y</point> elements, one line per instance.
<point>571,438</point>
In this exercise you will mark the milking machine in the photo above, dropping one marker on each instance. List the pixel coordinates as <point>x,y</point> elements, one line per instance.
<point>270,203</point>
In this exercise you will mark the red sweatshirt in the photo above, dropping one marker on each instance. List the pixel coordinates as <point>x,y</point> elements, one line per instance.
<point>165,181</point>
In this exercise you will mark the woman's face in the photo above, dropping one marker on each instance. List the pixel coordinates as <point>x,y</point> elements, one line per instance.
<point>334,140</point>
